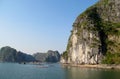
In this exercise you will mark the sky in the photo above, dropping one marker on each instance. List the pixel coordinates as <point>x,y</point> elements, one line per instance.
<point>34,26</point>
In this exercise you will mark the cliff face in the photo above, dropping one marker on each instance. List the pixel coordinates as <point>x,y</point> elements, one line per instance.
<point>95,33</point>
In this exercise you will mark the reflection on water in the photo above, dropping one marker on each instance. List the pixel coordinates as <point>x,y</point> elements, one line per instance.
<point>91,73</point>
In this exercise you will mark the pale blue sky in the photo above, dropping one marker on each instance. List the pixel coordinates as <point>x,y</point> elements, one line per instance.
<point>38,25</point>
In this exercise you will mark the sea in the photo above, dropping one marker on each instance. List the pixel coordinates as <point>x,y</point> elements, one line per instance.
<point>54,71</point>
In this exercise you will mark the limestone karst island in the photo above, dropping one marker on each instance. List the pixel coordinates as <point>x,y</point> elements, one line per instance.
<point>95,37</point>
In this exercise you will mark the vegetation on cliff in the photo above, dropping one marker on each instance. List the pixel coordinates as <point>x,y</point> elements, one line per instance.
<point>103,23</point>
<point>65,55</point>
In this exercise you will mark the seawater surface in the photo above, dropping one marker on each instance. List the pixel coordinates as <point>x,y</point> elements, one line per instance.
<point>54,71</point>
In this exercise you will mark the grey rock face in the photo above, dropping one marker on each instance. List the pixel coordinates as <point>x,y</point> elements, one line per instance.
<point>41,57</point>
<point>50,56</point>
<point>53,56</point>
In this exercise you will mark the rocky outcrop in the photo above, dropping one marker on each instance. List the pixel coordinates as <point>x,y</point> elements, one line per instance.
<point>50,56</point>
<point>53,56</point>
<point>8,54</point>
<point>95,33</point>
<point>41,57</point>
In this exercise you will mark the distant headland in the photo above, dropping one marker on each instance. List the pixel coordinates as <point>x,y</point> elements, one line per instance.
<point>9,54</point>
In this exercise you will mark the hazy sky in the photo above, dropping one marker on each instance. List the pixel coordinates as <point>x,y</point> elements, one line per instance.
<point>38,25</point>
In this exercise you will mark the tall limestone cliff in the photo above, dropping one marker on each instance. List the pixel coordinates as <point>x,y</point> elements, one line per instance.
<point>95,34</point>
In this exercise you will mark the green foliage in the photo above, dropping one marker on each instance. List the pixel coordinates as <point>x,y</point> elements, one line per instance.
<point>69,44</point>
<point>65,55</point>
<point>87,11</point>
<point>106,2</point>
<point>111,58</point>
<point>84,23</point>
<point>111,28</point>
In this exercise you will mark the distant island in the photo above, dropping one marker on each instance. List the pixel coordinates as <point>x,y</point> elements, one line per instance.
<point>8,54</point>
<point>95,37</point>
<point>50,56</point>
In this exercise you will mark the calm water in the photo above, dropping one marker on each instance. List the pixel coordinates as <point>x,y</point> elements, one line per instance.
<point>54,71</point>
